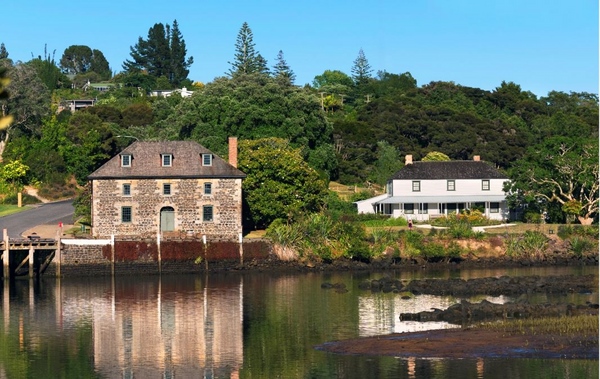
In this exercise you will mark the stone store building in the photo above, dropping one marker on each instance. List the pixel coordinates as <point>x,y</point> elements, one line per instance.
<point>173,188</point>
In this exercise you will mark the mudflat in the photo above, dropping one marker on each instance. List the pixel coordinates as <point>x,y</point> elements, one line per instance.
<point>469,343</point>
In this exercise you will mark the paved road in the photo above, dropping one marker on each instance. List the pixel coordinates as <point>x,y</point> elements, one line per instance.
<point>44,214</point>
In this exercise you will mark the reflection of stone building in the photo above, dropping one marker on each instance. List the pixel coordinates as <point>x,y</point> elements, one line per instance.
<point>197,332</point>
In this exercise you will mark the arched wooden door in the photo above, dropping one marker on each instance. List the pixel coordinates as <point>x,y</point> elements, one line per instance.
<point>167,219</point>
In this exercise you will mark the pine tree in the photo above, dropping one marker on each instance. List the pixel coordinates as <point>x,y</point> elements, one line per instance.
<point>179,63</point>
<point>361,71</point>
<point>3,52</point>
<point>281,70</point>
<point>246,59</point>
<point>162,54</point>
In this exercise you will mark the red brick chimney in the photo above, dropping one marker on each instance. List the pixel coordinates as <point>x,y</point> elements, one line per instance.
<point>233,151</point>
<point>476,158</point>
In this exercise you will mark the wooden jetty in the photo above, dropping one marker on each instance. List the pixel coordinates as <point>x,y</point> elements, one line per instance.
<point>13,248</point>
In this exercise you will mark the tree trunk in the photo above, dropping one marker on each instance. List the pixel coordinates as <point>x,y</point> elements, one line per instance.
<point>585,220</point>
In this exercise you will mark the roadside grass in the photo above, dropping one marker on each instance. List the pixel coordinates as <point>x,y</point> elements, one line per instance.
<point>7,209</point>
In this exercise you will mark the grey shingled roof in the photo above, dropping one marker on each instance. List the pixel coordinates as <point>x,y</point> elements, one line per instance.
<point>146,162</point>
<point>449,170</point>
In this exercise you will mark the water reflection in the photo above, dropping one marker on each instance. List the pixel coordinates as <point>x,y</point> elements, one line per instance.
<point>259,325</point>
<point>149,329</point>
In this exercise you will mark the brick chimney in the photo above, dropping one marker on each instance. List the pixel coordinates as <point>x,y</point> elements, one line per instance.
<point>408,160</point>
<point>233,150</point>
<point>476,158</point>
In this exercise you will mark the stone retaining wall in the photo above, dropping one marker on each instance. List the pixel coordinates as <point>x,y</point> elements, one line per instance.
<point>144,257</point>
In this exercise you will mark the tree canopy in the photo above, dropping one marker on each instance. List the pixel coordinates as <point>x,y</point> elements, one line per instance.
<point>162,54</point>
<point>279,183</point>
<point>81,59</point>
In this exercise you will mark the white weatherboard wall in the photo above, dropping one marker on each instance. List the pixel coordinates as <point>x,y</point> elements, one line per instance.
<point>438,187</point>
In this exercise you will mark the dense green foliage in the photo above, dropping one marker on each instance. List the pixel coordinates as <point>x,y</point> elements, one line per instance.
<point>279,183</point>
<point>353,129</point>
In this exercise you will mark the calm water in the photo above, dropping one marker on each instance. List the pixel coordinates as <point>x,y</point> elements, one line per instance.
<point>251,325</point>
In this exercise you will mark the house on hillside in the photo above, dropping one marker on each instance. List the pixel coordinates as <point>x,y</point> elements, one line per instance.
<point>424,190</point>
<point>174,187</point>
<point>183,92</point>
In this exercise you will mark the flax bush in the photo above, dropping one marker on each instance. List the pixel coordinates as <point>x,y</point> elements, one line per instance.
<point>531,244</point>
<point>319,235</point>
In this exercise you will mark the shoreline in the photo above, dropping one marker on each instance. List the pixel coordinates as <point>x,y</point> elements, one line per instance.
<point>467,343</point>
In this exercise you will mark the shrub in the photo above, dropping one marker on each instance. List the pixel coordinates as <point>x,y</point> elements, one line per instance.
<point>530,244</point>
<point>25,199</point>
<point>582,245</point>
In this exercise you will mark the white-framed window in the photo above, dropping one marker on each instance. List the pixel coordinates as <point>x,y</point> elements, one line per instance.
<point>409,208</point>
<point>451,185</point>
<point>125,160</point>
<point>207,213</point>
<point>207,159</point>
<point>126,189</point>
<point>126,214</point>
<point>167,160</point>
<point>485,185</point>
<point>167,189</point>
<point>494,207</point>
<point>208,188</point>
<point>423,208</point>
<point>416,186</point>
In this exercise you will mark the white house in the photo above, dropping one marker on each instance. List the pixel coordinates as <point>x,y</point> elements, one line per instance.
<point>424,190</point>
<point>184,92</point>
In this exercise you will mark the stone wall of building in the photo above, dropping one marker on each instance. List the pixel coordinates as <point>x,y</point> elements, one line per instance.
<point>187,198</point>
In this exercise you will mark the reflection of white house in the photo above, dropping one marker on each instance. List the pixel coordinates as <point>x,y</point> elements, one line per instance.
<point>184,92</point>
<point>424,190</point>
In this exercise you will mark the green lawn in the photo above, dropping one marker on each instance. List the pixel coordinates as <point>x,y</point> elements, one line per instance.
<point>6,210</point>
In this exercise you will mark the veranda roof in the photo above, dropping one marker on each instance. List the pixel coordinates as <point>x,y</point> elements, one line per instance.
<point>441,199</point>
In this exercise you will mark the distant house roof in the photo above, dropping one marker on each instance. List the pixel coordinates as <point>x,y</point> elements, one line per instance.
<point>448,170</point>
<point>146,163</point>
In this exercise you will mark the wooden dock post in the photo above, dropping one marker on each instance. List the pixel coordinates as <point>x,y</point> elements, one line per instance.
<point>6,255</point>
<point>31,261</point>
<point>159,252</point>
<point>112,255</point>
<point>241,249</point>
<point>58,251</point>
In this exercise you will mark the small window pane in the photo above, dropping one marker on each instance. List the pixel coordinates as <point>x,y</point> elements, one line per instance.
<point>166,158</point>
<point>126,189</point>
<point>409,208</point>
<point>485,185</point>
<point>450,185</point>
<point>207,188</point>
<point>206,159</point>
<point>126,214</point>
<point>207,213</point>
<point>416,186</point>
<point>494,207</point>
<point>126,160</point>
<point>166,189</point>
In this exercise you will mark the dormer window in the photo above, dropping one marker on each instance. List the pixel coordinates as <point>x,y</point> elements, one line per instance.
<point>206,159</point>
<point>125,160</point>
<point>167,160</point>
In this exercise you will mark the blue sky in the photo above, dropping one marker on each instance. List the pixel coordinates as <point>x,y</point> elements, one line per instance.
<point>540,45</point>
